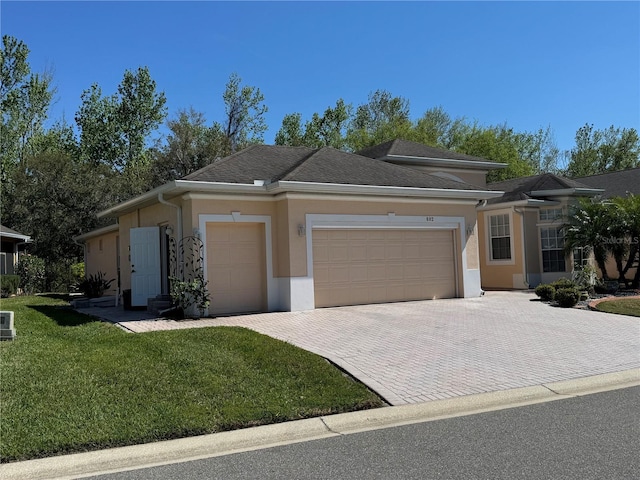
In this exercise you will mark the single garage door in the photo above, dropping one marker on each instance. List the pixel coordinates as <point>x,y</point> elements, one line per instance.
<point>236,267</point>
<point>353,267</point>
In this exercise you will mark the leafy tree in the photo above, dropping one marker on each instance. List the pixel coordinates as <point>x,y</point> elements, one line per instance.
<point>244,108</point>
<point>601,151</point>
<point>190,145</point>
<point>625,237</point>
<point>114,129</point>
<point>438,129</point>
<point>290,132</point>
<point>499,144</point>
<point>383,118</point>
<point>539,150</point>
<point>24,102</point>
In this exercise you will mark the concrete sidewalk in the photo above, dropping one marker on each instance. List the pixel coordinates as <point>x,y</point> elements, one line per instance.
<point>415,352</point>
<point>81,465</point>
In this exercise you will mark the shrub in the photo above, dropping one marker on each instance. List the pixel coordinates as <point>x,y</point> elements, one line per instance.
<point>94,286</point>
<point>545,291</point>
<point>563,283</point>
<point>31,270</point>
<point>567,297</point>
<point>192,296</point>
<point>9,285</point>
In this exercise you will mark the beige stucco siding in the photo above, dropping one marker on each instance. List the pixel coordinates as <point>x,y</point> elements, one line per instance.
<point>506,274</point>
<point>101,256</point>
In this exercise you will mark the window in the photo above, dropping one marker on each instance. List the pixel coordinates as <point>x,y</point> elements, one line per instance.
<point>580,258</point>
<point>551,214</point>
<point>500,237</point>
<point>100,245</point>
<point>552,243</point>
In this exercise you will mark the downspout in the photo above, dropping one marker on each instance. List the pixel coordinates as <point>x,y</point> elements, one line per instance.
<point>524,245</point>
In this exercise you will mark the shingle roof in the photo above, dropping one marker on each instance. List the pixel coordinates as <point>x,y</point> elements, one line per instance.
<point>324,165</point>
<point>406,148</point>
<point>615,184</point>
<point>521,188</point>
<point>4,229</point>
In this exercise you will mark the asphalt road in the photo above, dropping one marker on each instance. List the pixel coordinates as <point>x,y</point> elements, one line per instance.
<point>591,437</point>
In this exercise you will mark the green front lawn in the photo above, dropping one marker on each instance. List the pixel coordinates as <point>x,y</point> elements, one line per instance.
<point>623,307</point>
<point>69,383</point>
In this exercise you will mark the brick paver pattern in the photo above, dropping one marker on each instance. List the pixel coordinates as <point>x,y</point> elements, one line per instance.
<point>421,351</point>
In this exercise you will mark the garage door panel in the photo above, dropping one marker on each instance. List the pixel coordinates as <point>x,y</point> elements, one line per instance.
<point>236,267</point>
<point>373,266</point>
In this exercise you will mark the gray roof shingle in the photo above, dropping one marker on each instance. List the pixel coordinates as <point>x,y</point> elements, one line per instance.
<point>615,184</point>
<point>324,165</point>
<point>521,188</point>
<point>406,148</point>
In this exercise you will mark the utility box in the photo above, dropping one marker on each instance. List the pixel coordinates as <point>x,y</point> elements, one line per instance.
<point>7,332</point>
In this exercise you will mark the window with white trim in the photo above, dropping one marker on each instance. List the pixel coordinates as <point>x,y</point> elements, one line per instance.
<point>550,214</point>
<point>552,246</point>
<point>580,258</point>
<point>500,237</point>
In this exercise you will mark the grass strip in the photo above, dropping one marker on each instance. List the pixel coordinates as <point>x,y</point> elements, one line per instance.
<point>629,306</point>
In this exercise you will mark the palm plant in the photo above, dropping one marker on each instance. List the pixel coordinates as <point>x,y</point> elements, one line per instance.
<point>588,226</point>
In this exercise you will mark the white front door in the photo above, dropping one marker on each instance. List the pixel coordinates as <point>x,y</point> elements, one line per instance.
<point>145,264</point>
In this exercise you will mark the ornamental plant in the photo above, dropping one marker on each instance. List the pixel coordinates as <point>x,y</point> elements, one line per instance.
<point>192,296</point>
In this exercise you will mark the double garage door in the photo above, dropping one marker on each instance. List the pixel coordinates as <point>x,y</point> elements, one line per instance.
<point>352,267</point>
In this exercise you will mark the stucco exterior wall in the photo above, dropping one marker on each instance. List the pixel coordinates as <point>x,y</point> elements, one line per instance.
<point>501,274</point>
<point>101,255</point>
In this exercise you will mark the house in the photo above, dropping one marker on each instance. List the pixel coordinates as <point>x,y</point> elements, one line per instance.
<point>102,254</point>
<point>12,245</point>
<point>615,184</point>
<point>280,228</point>
<point>520,236</point>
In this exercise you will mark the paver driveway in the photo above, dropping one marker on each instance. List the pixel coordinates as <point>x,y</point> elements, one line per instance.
<point>420,351</point>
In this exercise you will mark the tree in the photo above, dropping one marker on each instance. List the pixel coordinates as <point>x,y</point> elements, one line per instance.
<point>190,145</point>
<point>384,117</point>
<point>290,132</point>
<point>328,129</point>
<point>114,130</point>
<point>244,108</point>
<point>539,150</point>
<point>601,151</point>
<point>25,98</point>
<point>498,144</point>
<point>588,226</point>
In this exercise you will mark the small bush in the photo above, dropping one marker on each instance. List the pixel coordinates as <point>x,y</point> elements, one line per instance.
<point>9,285</point>
<point>94,286</point>
<point>563,283</point>
<point>31,270</point>
<point>567,297</point>
<point>546,292</point>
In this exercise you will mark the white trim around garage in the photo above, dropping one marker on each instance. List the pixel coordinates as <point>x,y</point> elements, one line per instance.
<point>302,288</point>
<point>273,300</point>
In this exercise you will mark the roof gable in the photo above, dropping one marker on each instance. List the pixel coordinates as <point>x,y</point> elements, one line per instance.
<point>523,188</point>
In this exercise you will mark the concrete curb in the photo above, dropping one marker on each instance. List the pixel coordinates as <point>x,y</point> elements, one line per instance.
<point>193,448</point>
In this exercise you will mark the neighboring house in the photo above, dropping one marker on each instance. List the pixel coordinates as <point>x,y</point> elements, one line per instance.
<point>295,228</point>
<point>12,246</point>
<point>521,238</point>
<point>616,184</point>
<point>102,254</point>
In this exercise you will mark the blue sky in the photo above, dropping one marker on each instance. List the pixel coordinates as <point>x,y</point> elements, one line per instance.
<point>529,64</point>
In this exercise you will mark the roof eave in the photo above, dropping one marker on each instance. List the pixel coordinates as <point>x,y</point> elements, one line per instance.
<point>98,231</point>
<point>24,238</point>
<point>444,162</point>
<point>531,202</point>
<point>289,186</point>
<point>567,192</point>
